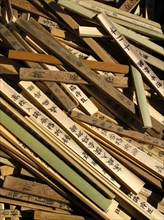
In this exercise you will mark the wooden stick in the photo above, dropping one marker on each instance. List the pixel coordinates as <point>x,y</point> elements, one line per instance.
<point>8,213</point>
<point>33,199</point>
<point>129,5</point>
<point>30,74</point>
<point>150,59</point>
<point>27,6</point>
<point>141,97</point>
<point>107,125</point>
<point>47,22</point>
<point>6,170</point>
<point>32,188</point>
<point>9,66</point>
<point>4,156</point>
<point>8,162</point>
<point>131,120</point>
<point>40,215</point>
<point>49,59</point>
<point>135,167</point>
<point>26,204</point>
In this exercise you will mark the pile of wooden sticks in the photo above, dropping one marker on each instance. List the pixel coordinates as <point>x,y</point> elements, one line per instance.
<point>81,110</point>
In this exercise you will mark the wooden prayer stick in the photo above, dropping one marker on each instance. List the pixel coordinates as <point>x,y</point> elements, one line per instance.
<point>117,129</point>
<point>34,188</point>
<point>8,213</point>
<point>129,34</point>
<point>129,5</point>
<point>48,23</point>
<point>135,167</point>
<point>40,215</point>
<point>26,204</point>
<point>149,58</point>
<point>67,77</point>
<point>9,66</point>
<point>49,59</point>
<point>11,193</point>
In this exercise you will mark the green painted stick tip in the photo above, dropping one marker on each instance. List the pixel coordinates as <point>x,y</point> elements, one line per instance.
<point>77,9</point>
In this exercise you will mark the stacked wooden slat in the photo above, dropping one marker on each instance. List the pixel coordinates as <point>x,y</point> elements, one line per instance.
<point>81,110</point>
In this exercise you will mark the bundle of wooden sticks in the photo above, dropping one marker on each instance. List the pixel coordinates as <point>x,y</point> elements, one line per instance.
<point>81,110</point>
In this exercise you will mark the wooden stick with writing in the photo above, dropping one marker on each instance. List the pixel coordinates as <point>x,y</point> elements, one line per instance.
<point>30,74</point>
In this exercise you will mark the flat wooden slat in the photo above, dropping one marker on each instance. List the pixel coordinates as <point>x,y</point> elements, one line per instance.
<point>30,74</point>
<point>40,215</point>
<point>26,6</point>
<point>11,193</point>
<point>32,188</point>
<point>61,96</point>
<point>26,204</point>
<point>141,97</point>
<point>128,5</point>
<point>117,129</point>
<point>84,102</point>
<point>8,213</point>
<point>49,59</point>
